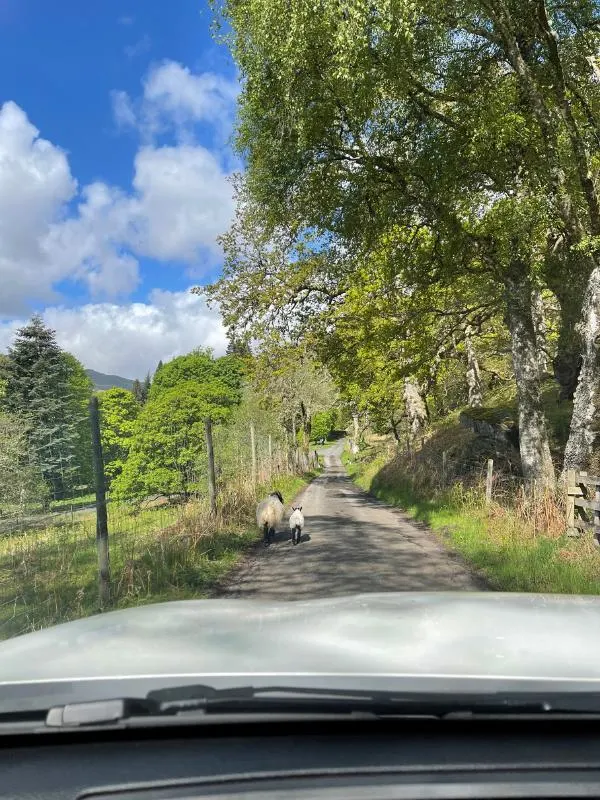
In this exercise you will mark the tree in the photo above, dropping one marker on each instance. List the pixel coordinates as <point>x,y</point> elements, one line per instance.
<point>138,391</point>
<point>166,454</point>
<point>198,366</point>
<point>473,150</point>
<point>81,389</point>
<point>322,424</point>
<point>291,380</point>
<point>38,387</point>
<point>146,387</point>
<point>119,411</point>
<point>238,347</point>
<point>4,363</point>
<point>21,480</point>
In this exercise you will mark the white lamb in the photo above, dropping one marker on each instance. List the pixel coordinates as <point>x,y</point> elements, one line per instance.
<point>296,524</point>
<point>269,514</point>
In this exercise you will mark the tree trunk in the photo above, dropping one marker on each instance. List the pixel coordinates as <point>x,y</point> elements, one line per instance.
<point>306,426</point>
<point>355,432</point>
<point>586,403</point>
<point>566,364</point>
<point>212,478</point>
<point>540,328</point>
<point>533,435</point>
<point>473,374</point>
<point>416,410</point>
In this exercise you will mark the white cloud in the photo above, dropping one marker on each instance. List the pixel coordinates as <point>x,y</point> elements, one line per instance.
<point>123,110</point>
<point>90,245</point>
<point>35,183</point>
<point>175,99</point>
<point>130,339</point>
<point>140,47</point>
<point>179,202</point>
<point>183,202</point>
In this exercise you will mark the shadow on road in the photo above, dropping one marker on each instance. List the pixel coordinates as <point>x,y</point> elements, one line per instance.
<point>351,543</point>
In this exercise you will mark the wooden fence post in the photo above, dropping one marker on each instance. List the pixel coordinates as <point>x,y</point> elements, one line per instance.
<point>444,457</point>
<point>253,448</point>
<point>570,502</point>
<point>489,480</point>
<point>597,515</point>
<point>212,481</point>
<point>101,516</point>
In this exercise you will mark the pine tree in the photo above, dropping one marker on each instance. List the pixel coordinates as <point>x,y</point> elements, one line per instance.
<point>238,347</point>
<point>146,386</point>
<point>138,391</point>
<point>37,386</point>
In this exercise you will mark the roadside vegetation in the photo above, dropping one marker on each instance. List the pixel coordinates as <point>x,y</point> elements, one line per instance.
<point>164,540</point>
<point>415,258</point>
<point>514,543</point>
<point>420,209</point>
<point>163,553</point>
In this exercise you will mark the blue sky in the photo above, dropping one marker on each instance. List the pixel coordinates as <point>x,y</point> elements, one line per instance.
<point>115,119</point>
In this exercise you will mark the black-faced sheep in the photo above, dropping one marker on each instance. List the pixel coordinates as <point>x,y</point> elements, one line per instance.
<point>296,524</point>
<point>269,514</point>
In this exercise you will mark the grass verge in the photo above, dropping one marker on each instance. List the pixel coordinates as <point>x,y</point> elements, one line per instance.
<point>164,553</point>
<point>517,549</point>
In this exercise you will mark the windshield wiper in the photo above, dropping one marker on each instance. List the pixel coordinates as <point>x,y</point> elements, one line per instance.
<point>203,699</point>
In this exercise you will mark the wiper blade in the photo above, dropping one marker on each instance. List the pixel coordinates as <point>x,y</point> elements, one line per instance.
<point>179,700</point>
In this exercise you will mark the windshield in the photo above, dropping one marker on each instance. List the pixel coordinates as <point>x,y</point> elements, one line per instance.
<point>299,342</point>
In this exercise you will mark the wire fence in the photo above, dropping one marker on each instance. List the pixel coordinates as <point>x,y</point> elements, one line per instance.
<point>159,548</point>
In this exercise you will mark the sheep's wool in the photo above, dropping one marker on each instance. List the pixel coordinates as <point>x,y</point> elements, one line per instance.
<point>269,512</point>
<point>296,519</point>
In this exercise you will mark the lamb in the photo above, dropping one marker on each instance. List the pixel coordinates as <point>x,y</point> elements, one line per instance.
<point>296,524</point>
<point>269,514</point>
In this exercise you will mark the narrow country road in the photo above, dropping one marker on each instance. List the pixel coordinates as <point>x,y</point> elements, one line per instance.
<point>351,543</point>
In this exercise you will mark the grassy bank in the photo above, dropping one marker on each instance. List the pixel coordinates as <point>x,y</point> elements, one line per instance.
<point>516,548</point>
<point>164,553</point>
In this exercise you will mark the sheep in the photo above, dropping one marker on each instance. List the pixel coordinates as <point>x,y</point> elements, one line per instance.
<point>296,524</point>
<point>269,513</point>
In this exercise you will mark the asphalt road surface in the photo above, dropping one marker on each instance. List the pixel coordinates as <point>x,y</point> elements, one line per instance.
<point>351,543</point>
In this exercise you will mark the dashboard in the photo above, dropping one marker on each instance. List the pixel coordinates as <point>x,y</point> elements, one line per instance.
<point>375,760</point>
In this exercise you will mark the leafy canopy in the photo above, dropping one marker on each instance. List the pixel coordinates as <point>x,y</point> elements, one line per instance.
<point>166,455</point>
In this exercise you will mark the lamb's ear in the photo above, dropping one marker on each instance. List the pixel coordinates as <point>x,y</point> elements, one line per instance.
<point>300,508</point>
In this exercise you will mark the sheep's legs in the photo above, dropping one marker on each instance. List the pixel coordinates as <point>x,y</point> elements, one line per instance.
<point>266,534</point>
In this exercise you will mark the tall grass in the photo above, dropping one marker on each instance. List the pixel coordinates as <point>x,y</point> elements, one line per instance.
<point>517,543</point>
<point>167,552</point>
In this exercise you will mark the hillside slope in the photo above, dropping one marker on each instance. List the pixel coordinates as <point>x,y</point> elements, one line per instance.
<point>516,542</point>
<point>102,381</point>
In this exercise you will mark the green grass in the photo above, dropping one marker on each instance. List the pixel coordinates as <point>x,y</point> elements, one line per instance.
<point>163,553</point>
<point>502,410</point>
<point>512,550</point>
<point>76,502</point>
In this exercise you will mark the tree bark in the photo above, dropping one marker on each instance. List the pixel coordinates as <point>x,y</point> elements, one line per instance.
<point>584,428</point>
<point>416,410</point>
<point>570,294</point>
<point>306,426</point>
<point>473,374</point>
<point>586,404</point>
<point>541,330</point>
<point>533,435</point>
<point>355,432</point>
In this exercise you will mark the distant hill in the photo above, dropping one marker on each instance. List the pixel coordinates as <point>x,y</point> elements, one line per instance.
<point>102,381</point>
